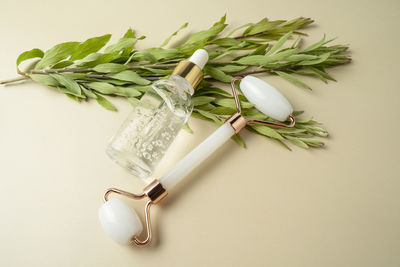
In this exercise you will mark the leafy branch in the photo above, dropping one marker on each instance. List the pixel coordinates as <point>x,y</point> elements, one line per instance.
<point>81,72</point>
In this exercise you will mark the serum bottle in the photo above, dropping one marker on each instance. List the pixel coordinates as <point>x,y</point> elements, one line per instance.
<point>151,127</point>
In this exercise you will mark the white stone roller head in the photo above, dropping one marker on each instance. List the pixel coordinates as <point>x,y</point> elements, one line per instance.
<point>266,98</point>
<point>120,221</point>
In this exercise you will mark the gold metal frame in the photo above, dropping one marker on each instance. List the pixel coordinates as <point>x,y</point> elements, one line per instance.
<point>155,191</point>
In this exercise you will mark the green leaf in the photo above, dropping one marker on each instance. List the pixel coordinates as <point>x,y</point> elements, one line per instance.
<point>292,79</point>
<point>44,79</point>
<point>311,74</point>
<point>251,26</point>
<point>260,50</point>
<point>56,54</point>
<point>112,81</point>
<point>290,130</point>
<point>201,100</point>
<point>254,114</point>
<point>110,67</point>
<point>222,20</point>
<point>207,35</point>
<point>296,23</point>
<point>262,60</point>
<point>88,92</point>
<point>124,45</point>
<point>95,59</point>
<point>226,42</point>
<point>174,34</point>
<point>141,88</point>
<point>314,130</point>
<point>214,55</point>
<point>282,143</point>
<point>64,90</point>
<point>89,46</point>
<point>263,25</point>
<point>160,71</point>
<point>304,120</point>
<point>187,128</point>
<point>232,104</point>
<point>133,101</point>
<point>238,28</point>
<point>267,131</point>
<point>206,107</point>
<point>301,57</point>
<point>70,85</point>
<point>62,64</point>
<point>212,91</point>
<point>283,54</point>
<point>279,44</point>
<point>104,88</point>
<point>230,68</point>
<point>144,56</point>
<point>105,103</point>
<point>323,73</point>
<point>317,45</point>
<point>73,97</point>
<point>296,113</point>
<point>238,140</point>
<point>316,61</point>
<point>127,91</point>
<point>130,76</point>
<point>297,141</point>
<point>223,111</point>
<point>312,142</point>
<point>161,53</point>
<point>89,58</point>
<point>129,34</point>
<point>210,116</point>
<point>34,53</point>
<point>217,74</point>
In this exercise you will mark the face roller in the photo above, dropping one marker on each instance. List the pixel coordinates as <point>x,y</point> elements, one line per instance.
<point>123,224</point>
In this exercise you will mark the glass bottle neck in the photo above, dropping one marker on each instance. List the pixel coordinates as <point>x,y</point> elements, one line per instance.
<point>182,83</point>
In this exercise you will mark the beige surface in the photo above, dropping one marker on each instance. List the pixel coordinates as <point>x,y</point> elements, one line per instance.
<point>337,206</point>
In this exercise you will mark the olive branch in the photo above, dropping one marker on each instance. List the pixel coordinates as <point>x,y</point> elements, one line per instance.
<point>81,72</point>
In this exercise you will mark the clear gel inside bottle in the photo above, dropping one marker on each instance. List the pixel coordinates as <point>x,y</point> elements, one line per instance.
<point>149,130</point>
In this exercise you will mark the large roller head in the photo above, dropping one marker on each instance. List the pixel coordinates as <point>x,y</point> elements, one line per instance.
<point>266,98</point>
<point>120,221</point>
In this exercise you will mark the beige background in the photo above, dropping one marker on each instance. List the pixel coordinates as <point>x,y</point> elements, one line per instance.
<point>337,206</point>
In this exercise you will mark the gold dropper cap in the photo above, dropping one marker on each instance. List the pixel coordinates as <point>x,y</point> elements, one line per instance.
<point>189,71</point>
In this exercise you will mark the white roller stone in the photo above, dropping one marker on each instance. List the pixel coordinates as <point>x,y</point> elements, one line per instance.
<point>119,220</point>
<point>266,98</point>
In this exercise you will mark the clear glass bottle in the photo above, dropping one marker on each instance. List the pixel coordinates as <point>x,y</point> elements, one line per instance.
<point>150,129</point>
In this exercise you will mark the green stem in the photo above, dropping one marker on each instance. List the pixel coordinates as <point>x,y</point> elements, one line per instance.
<point>17,79</point>
<point>250,35</point>
<point>264,71</point>
<point>80,70</point>
<point>100,76</point>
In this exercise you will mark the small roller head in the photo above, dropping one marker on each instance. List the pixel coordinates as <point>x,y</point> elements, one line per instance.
<point>120,221</point>
<point>266,98</point>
